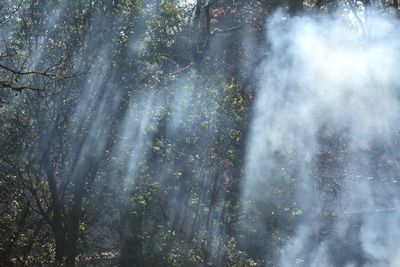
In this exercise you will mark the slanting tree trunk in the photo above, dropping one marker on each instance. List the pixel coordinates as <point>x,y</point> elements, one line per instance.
<point>295,7</point>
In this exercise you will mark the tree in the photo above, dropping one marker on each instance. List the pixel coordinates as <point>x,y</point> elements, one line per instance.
<point>295,7</point>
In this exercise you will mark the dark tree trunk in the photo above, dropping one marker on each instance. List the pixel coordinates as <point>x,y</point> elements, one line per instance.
<point>295,7</point>
<point>71,249</point>
<point>60,245</point>
<point>57,221</point>
<point>131,248</point>
<point>396,6</point>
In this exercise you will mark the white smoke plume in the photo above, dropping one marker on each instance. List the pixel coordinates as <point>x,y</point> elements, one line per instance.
<point>324,138</point>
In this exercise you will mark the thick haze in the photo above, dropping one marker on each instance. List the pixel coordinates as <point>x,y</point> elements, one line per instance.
<point>327,118</point>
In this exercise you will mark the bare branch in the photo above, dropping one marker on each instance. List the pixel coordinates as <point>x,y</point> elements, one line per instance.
<point>228,30</point>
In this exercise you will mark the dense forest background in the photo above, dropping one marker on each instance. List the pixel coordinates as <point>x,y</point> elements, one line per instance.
<point>199,133</point>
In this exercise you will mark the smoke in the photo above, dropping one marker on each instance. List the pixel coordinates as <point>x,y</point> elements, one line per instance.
<point>49,27</point>
<point>323,147</point>
<point>136,135</point>
<point>139,38</point>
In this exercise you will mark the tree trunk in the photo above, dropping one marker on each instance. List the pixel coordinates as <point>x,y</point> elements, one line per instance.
<point>60,245</point>
<point>57,220</point>
<point>76,211</point>
<point>59,233</point>
<point>396,6</point>
<point>295,7</point>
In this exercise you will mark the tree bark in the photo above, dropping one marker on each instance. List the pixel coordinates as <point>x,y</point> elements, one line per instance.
<point>60,246</point>
<point>75,217</point>
<point>295,7</point>
<point>57,220</point>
